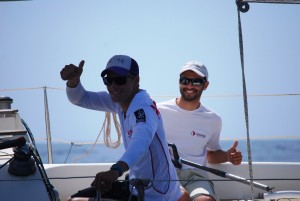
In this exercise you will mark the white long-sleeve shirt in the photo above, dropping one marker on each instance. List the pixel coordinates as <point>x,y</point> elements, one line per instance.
<point>146,151</point>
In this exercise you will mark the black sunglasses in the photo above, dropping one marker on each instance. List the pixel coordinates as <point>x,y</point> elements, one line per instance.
<point>194,81</point>
<point>119,80</point>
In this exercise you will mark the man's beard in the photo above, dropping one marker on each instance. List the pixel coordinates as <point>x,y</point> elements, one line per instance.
<point>190,97</point>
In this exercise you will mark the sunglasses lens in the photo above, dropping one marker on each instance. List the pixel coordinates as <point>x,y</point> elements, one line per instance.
<point>120,80</point>
<point>195,81</point>
<point>107,81</point>
<point>184,81</point>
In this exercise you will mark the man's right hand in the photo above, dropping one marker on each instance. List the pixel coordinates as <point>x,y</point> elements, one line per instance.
<point>72,73</point>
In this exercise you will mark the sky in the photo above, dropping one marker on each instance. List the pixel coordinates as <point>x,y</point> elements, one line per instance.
<point>38,38</point>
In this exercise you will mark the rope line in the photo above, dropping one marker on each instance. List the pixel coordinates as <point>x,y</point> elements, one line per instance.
<point>245,103</point>
<point>106,129</point>
<point>80,143</point>
<point>107,135</point>
<point>69,152</point>
<point>166,96</point>
<point>161,180</point>
<point>274,1</point>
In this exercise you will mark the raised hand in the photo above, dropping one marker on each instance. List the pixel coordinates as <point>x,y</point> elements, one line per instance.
<point>234,156</point>
<point>72,74</point>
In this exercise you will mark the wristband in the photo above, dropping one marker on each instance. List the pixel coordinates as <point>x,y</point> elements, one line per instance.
<point>117,167</point>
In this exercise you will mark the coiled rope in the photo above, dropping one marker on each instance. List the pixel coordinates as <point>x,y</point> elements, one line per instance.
<point>106,129</point>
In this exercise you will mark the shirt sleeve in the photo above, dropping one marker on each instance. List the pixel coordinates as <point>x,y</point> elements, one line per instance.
<point>91,100</point>
<point>214,142</point>
<point>143,131</point>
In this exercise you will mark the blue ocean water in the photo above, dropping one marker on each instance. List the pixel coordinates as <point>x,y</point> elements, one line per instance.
<point>274,150</point>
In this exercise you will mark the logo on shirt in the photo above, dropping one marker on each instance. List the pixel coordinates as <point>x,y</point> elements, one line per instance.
<point>194,133</point>
<point>140,116</point>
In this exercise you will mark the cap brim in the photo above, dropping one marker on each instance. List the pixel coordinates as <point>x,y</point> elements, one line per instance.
<point>118,70</point>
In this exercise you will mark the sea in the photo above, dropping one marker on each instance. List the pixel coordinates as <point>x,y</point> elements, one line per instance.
<point>261,150</point>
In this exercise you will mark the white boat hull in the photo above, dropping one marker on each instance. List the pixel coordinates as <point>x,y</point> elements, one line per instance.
<point>69,178</point>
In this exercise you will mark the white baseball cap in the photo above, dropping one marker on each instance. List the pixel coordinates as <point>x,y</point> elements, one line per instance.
<point>196,67</point>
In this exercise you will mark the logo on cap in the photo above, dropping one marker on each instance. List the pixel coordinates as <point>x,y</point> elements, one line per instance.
<point>122,65</point>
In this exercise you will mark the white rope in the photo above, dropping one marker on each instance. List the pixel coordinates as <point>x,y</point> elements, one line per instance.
<point>106,129</point>
<point>107,135</point>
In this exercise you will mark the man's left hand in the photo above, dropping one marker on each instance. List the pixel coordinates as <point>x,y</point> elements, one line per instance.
<point>234,156</point>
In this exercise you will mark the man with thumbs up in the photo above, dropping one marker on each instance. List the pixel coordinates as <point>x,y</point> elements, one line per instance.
<point>195,130</point>
<point>146,151</point>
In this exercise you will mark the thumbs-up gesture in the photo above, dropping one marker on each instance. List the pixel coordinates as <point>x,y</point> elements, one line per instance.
<point>234,156</point>
<point>72,73</point>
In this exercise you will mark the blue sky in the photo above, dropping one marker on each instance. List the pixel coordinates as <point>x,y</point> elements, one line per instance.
<point>38,38</point>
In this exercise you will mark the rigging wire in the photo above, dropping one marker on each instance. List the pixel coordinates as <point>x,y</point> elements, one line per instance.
<point>80,143</point>
<point>167,96</point>
<point>245,101</point>
<point>160,180</point>
<point>243,5</point>
<point>274,1</point>
<point>69,152</point>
